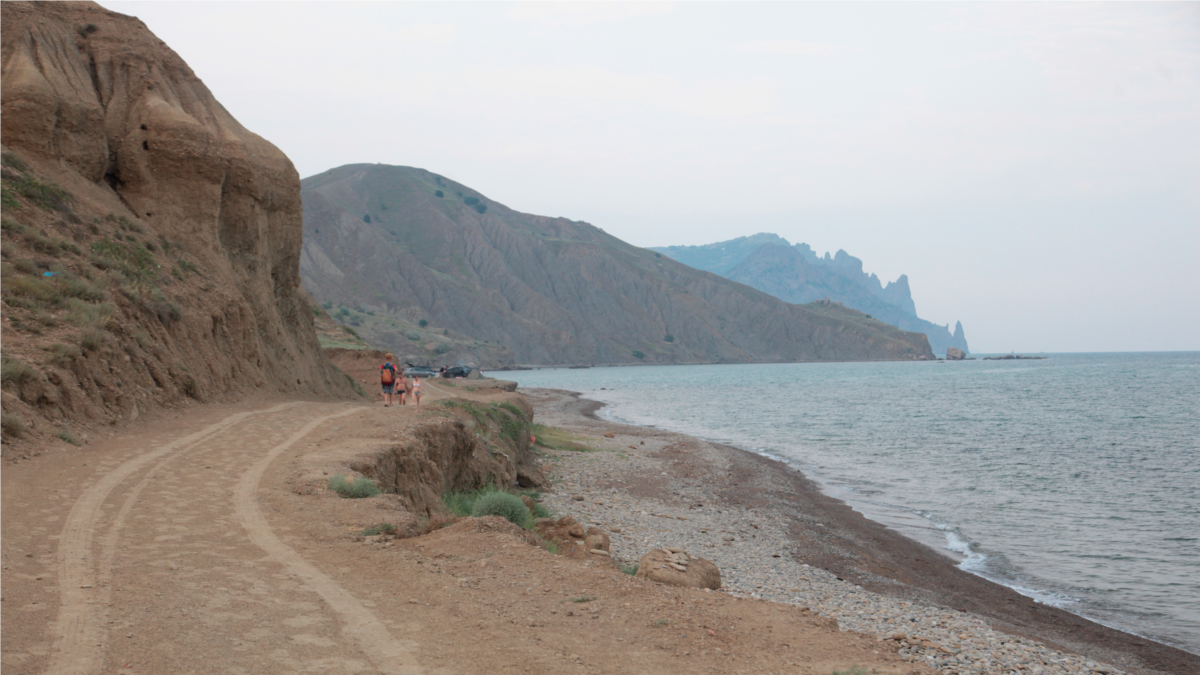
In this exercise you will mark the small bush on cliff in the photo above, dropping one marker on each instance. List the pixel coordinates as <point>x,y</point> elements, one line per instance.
<point>15,371</point>
<point>381,528</point>
<point>63,355</point>
<point>356,488</point>
<point>509,507</point>
<point>638,355</point>
<point>91,339</point>
<point>12,425</point>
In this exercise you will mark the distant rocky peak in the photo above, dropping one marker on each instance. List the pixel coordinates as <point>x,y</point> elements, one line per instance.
<point>899,294</point>
<point>806,251</point>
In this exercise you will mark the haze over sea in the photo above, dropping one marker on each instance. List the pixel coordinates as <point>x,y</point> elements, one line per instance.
<point>1075,480</point>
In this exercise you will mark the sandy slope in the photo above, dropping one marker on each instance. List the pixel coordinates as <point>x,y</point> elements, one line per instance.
<point>192,545</point>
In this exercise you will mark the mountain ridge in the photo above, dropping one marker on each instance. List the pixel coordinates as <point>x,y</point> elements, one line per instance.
<point>796,274</point>
<point>554,291</point>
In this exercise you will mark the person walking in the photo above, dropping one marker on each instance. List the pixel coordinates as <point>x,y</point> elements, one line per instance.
<point>408,387</point>
<point>416,387</point>
<point>387,379</point>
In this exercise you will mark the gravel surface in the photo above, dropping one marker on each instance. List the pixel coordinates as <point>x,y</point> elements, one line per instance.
<point>628,489</point>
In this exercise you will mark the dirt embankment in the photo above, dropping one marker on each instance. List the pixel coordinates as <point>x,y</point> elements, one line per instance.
<point>150,242</point>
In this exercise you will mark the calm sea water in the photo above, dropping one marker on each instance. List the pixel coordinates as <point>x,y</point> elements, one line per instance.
<point>1075,480</point>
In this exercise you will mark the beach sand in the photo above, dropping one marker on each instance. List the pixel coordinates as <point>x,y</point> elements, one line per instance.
<point>776,536</point>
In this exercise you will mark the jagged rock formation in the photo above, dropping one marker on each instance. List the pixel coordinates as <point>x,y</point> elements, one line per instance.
<point>796,274</point>
<point>408,243</point>
<point>170,233</point>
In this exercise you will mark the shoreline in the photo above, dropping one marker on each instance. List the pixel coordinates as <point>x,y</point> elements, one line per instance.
<point>816,546</point>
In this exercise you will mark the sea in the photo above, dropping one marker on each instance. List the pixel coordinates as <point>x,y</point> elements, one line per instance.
<point>1074,480</point>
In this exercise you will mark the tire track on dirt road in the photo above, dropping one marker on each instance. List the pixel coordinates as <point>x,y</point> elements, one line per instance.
<point>388,654</point>
<point>76,634</point>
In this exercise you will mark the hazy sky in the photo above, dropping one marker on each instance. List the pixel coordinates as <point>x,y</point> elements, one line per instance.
<point>1033,168</point>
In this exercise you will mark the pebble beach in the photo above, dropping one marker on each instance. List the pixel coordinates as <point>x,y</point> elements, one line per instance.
<point>652,489</point>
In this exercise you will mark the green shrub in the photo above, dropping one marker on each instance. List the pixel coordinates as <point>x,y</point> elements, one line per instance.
<point>12,161</point>
<point>91,339</point>
<point>46,195</point>
<point>508,506</point>
<point>81,313</point>
<point>73,286</point>
<point>39,289</point>
<point>68,437</point>
<point>422,323</point>
<point>471,201</point>
<point>638,355</point>
<point>131,259</point>
<point>630,569</point>
<point>356,488</point>
<point>583,598</point>
<point>63,355</point>
<point>439,194</point>
<point>26,266</point>
<point>481,208</point>
<point>12,425</point>
<point>512,409</point>
<point>668,338</point>
<point>8,198</point>
<point>381,528</point>
<point>14,371</point>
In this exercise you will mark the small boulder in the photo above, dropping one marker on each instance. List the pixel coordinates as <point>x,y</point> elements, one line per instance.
<point>596,539</point>
<point>679,569</point>
<point>955,354</point>
<point>609,434</point>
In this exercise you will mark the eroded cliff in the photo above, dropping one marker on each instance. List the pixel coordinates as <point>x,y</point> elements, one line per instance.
<point>151,243</point>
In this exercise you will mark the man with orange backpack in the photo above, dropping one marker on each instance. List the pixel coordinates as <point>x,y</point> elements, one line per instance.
<point>387,378</point>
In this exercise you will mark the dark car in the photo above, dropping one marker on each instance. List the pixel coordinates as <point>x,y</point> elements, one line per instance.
<point>457,371</point>
<point>419,371</point>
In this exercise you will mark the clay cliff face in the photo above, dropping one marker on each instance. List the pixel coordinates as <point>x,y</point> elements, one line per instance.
<point>154,170</point>
<point>796,274</point>
<point>553,290</point>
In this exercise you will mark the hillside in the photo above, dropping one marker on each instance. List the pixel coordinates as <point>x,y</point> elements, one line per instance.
<point>150,242</point>
<point>411,245</point>
<point>796,274</point>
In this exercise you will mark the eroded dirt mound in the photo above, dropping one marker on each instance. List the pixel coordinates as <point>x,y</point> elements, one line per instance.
<point>151,243</point>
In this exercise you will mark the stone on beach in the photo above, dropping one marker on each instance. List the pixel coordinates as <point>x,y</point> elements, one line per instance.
<point>667,567</point>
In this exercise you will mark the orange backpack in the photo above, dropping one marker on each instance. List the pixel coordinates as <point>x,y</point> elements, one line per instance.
<point>387,373</point>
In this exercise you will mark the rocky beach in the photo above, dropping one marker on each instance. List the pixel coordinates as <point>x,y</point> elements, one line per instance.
<point>775,536</point>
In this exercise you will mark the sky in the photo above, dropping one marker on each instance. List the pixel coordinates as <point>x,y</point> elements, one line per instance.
<point>1034,168</point>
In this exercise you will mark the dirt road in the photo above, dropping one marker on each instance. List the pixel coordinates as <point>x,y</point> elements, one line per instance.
<point>184,546</point>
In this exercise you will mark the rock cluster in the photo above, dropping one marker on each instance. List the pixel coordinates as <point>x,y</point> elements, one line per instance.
<point>674,567</point>
<point>955,354</point>
<point>574,539</point>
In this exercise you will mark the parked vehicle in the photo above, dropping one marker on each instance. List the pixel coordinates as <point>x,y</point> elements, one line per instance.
<point>419,371</point>
<point>457,371</point>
